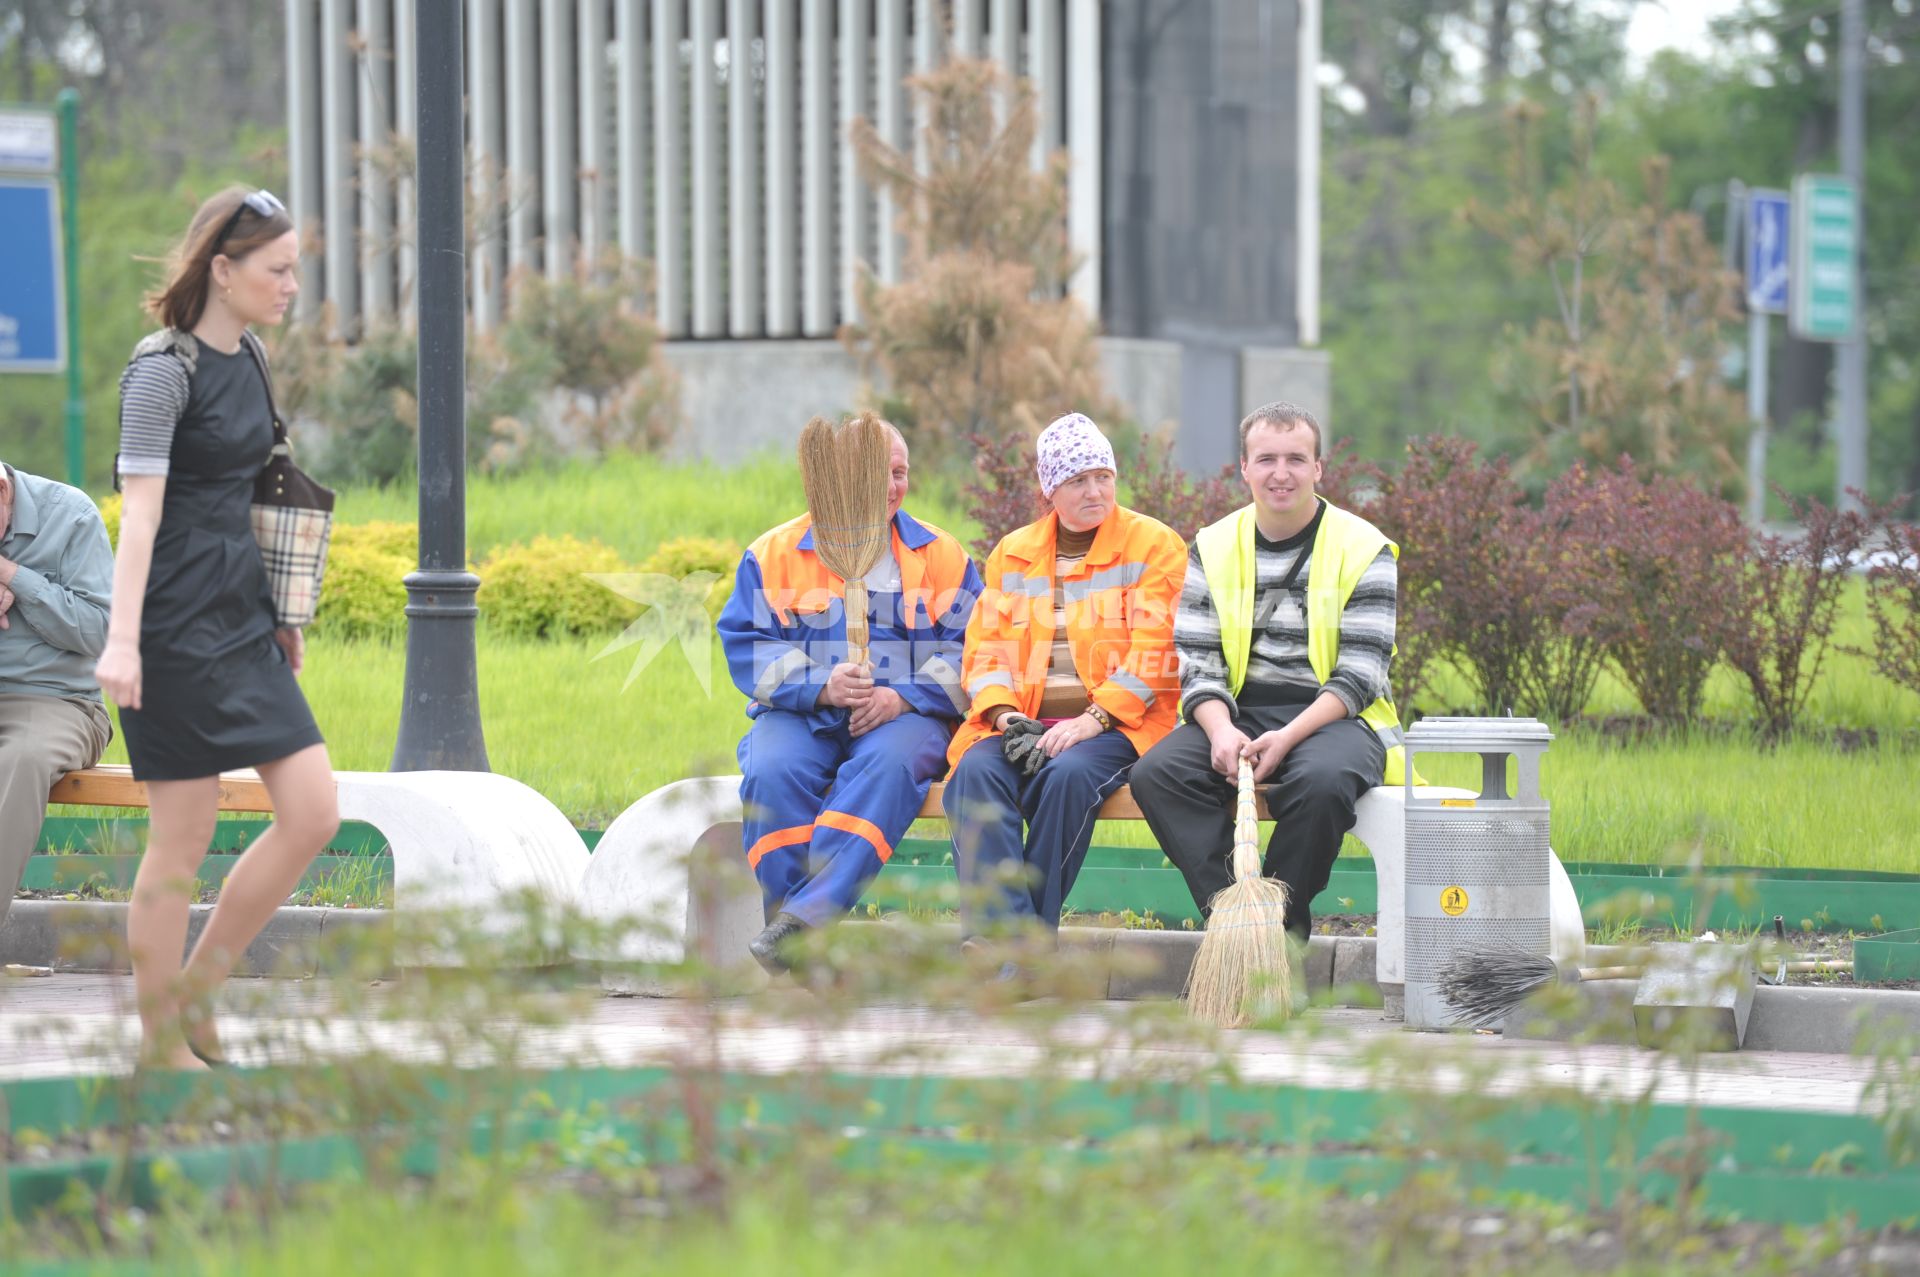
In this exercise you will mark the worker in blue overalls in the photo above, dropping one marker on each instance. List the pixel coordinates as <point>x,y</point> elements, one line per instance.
<point>839,756</point>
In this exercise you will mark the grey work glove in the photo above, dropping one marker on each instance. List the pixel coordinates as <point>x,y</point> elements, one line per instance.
<point>1020,742</point>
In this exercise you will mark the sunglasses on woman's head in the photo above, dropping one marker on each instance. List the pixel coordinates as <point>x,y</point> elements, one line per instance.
<point>264,203</point>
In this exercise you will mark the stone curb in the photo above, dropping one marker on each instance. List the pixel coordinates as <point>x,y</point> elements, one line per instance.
<point>90,936</point>
<point>1795,1018</point>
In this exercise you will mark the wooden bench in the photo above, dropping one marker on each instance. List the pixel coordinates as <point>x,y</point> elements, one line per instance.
<point>470,842</point>
<point>643,870</point>
<point>110,786</point>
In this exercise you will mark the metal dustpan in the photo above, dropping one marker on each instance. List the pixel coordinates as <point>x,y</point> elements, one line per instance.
<point>1695,994</point>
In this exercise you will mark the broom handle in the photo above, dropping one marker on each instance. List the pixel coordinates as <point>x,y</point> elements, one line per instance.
<point>1246,829</point>
<point>857,630</point>
<point>1803,966</point>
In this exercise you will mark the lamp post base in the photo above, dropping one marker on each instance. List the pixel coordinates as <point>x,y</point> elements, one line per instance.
<point>440,701</point>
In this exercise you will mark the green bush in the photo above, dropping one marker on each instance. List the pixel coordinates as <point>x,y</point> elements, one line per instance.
<point>388,536</point>
<point>366,397</point>
<point>110,515</point>
<point>541,589</point>
<point>365,394</point>
<point>684,556</point>
<point>596,329</point>
<point>362,596</point>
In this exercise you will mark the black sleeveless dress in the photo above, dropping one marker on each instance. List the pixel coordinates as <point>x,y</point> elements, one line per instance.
<point>217,692</point>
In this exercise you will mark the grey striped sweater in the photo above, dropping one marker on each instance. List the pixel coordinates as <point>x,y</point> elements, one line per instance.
<point>1278,671</point>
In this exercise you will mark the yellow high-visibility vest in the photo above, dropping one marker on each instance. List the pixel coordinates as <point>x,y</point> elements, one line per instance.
<point>1344,546</point>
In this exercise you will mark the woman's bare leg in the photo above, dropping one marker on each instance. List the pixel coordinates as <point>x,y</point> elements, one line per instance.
<point>306,814</point>
<point>182,814</point>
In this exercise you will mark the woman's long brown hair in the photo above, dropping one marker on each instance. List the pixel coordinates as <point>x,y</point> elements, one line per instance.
<point>214,230</point>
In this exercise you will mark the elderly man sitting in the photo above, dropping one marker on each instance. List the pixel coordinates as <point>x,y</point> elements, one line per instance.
<point>56,572</point>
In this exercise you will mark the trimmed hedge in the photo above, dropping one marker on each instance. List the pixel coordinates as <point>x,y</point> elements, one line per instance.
<point>542,589</point>
<point>684,556</point>
<point>363,596</point>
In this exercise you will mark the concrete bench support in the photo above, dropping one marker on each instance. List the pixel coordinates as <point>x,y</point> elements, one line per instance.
<point>472,843</point>
<point>643,869</point>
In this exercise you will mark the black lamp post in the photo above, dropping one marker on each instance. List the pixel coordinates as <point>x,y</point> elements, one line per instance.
<point>440,706</point>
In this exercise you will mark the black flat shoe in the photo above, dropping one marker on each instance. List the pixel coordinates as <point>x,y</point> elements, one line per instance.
<point>211,1061</point>
<point>766,946</point>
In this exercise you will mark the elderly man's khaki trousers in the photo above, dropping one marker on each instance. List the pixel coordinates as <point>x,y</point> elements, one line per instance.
<point>41,739</point>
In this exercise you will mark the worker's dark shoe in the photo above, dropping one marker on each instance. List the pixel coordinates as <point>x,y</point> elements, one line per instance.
<point>766,946</point>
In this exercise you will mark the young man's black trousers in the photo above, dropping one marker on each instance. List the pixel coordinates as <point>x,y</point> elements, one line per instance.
<point>1312,798</point>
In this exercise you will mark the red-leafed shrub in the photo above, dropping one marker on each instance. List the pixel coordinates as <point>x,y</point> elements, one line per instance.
<point>1003,492</point>
<point>1790,596</point>
<point>1560,560</point>
<point>1893,599</point>
<point>1671,560</point>
<point>1465,584</point>
<point>1156,485</point>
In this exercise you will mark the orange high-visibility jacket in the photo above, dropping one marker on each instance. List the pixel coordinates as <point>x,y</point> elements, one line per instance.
<point>1120,604</point>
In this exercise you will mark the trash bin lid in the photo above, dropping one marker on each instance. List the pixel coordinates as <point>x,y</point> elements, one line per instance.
<point>1477,735</point>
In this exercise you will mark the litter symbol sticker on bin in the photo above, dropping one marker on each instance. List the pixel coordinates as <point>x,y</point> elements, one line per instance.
<point>1453,901</point>
<point>1458,802</point>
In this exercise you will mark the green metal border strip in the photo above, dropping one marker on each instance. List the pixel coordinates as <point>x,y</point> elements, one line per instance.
<point>1137,879</point>
<point>1768,1165</point>
<point>72,873</point>
<point>1530,1125</point>
<point>1894,956</point>
<point>127,835</point>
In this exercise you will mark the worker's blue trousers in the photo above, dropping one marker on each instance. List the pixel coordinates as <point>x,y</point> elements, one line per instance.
<point>824,811</point>
<point>1004,878</point>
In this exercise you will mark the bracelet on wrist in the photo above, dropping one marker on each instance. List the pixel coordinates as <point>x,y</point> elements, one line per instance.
<point>1100,716</point>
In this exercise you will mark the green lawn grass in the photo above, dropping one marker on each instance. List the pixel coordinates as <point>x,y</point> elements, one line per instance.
<point>1013,1213</point>
<point>562,718</point>
<point>633,503</point>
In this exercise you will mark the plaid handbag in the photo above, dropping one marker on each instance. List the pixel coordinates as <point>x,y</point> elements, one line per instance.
<point>292,519</point>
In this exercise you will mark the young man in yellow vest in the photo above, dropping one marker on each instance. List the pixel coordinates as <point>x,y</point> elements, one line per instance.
<point>1285,633</point>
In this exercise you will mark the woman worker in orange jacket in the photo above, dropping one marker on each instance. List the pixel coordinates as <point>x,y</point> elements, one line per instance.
<point>1071,670</point>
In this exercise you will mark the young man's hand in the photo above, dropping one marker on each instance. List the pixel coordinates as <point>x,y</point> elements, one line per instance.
<point>1266,752</point>
<point>1227,744</point>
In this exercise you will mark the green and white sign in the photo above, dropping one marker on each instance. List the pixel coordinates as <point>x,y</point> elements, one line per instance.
<point>1824,303</point>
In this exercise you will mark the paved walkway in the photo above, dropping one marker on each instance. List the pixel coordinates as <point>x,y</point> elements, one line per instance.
<point>83,1024</point>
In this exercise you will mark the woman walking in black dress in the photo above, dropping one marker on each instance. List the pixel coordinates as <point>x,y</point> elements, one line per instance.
<point>204,679</point>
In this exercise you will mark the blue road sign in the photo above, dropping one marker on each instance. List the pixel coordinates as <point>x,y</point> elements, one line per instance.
<point>1769,214</point>
<point>33,311</point>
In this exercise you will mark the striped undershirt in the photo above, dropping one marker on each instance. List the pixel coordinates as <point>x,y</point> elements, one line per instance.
<point>1278,669</point>
<point>1065,694</point>
<point>153,394</point>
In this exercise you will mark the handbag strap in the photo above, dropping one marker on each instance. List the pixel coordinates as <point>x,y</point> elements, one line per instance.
<point>282,446</point>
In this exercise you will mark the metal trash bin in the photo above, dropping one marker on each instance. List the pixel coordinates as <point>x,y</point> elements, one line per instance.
<point>1478,870</point>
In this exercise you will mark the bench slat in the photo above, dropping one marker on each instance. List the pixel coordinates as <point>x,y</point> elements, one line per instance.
<point>1119,807</point>
<point>114,786</point>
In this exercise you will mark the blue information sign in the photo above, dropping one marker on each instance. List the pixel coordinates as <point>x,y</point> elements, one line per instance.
<point>1769,214</point>
<point>33,310</point>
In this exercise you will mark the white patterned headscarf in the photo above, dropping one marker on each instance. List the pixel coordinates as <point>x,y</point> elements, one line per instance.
<point>1071,445</point>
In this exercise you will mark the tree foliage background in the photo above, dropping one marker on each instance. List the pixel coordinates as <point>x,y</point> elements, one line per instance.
<point>1420,303</point>
<point>1424,310</point>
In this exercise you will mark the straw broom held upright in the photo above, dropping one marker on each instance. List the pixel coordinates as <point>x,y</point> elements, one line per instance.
<point>1242,972</point>
<point>843,470</point>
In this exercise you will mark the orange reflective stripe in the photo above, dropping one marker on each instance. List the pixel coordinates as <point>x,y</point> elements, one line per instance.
<point>774,841</point>
<point>860,829</point>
